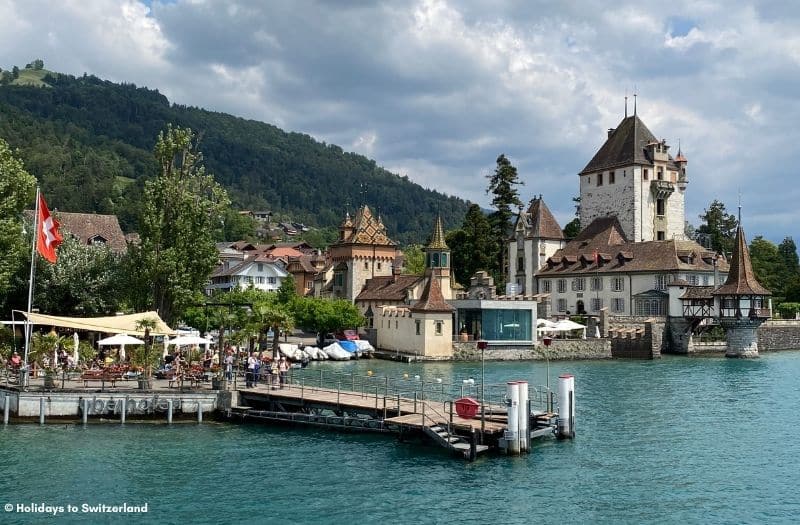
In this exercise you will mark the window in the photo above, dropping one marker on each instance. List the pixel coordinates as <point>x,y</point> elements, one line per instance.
<point>618,284</point>
<point>660,235</point>
<point>597,304</point>
<point>599,179</point>
<point>562,305</point>
<point>661,282</point>
<point>309,285</point>
<point>705,280</point>
<point>578,284</point>
<point>611,177</point>
<point>546,286</point>
<point>588,180</point>
<point>259,279</point>
<point>338,279</point>
<point>693,279</point>
<point>435,259</point>
<point>649,307</point>
<point>260,267</point>
<point>645,173</point>
<point>618,305</point>
<point>379,266</point>
<point>596,283</point>
<point>438,327</point>
<point>562,285</point>
<point>272,280</point>
<point>520,264</point>
<point>659,206</point>
<point>660,174</point>
<point>418,323</point>
<point>396,324</point>
<point>366,265</point>
<point>444,260</point>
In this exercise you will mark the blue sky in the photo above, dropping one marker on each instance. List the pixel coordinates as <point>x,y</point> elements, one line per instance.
<point>436,89</point>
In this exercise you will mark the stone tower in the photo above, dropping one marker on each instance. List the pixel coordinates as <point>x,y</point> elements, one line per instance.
<point>437,257</point>
<point>363,251</point>
<point>633,177</point>
<point>742,302</point>
<point>537,236</point>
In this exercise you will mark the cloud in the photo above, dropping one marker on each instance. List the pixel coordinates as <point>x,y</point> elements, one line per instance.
<point>437,89</point>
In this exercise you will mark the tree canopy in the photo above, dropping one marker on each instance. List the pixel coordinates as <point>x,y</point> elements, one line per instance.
<point>503,185</point>
<point>718,230</point>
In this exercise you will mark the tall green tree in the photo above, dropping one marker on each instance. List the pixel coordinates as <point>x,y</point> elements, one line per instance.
<point>573,227</point>
<point>326,315</point>
<point>718,227</point>
<point>286,291</point>
<point>768,266</point>
<point>472,247</point>
<point>503,185</point>
<point>788,252</point>
<point>414,260</point>
<point>182,207</point>
<point>17,190</point>
<point>85,280</point>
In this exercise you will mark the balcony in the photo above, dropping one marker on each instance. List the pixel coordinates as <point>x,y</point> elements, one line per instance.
<point>661,189</point>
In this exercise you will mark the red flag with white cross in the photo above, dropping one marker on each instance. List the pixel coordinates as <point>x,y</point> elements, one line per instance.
<point>47,235</point>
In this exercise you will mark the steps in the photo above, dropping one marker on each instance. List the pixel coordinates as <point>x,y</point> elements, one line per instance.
<point>452,442</point>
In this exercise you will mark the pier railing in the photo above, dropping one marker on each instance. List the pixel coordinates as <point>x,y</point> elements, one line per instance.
<point>418,389</point>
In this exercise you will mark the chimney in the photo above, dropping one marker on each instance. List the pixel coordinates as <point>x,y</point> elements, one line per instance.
<point>395,272</point>
<point>611,132</point>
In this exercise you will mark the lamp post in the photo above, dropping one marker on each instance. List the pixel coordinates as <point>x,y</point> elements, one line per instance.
<point>547,340</point>
<point>482,345</point>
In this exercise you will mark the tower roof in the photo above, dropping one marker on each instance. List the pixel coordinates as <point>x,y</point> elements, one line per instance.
<point>741,278</point>
<point>626,145</point>
<point>367,230</point>
<point>540,222</point>
<point>437,239</point>
<point>432,299</point>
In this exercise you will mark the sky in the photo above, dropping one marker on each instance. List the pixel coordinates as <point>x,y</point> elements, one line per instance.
<point>437,89</point>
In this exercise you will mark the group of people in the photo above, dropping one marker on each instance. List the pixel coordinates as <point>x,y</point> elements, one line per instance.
<point>274,371</point>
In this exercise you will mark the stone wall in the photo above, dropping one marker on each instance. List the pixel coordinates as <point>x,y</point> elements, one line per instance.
<point>779,334</point>
<point>560,349</point>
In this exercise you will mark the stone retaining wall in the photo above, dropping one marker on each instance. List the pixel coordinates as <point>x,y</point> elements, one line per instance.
<point>560,349</point>
<point>779,334</point>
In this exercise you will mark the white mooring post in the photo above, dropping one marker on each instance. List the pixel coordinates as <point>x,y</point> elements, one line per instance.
<point>169,411</point>
<point>512,434</point>
<point>85,414</point>
<point>124,410</point>
<point>41,411</point>
<point>566,406</point>
<point>199,412</point>
<point>6,402</point>
<point>524,416</point>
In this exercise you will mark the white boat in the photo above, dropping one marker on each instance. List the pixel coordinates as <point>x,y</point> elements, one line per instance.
<point>336,352</point>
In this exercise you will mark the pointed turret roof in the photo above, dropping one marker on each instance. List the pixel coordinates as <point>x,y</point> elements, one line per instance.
<point>432,299</point>
<point>540,221</point>
<point>437,239</point>
<point>741,278</point>
<point>347,222</point>
<point>626,145</point>
<point>367,230</point>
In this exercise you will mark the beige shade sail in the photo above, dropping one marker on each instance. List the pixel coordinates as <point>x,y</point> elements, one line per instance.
<point>117,324</point>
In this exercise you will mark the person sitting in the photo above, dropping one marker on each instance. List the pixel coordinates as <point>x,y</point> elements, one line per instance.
<point>15,362</point>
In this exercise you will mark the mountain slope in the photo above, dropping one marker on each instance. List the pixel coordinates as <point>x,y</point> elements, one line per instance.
<point>89,142</point>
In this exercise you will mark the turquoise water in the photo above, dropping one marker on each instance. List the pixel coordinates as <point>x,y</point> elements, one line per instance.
<point>679,440</point>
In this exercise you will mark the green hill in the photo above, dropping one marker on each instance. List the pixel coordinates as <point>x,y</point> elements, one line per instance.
<point>89,143</point>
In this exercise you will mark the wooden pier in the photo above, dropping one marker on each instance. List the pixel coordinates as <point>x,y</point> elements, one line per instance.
<point>403,407</point>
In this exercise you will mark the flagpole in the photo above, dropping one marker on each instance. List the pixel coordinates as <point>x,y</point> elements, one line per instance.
<point>30,285</point>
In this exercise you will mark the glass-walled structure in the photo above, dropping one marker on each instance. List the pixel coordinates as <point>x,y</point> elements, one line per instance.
<point>496,321</point>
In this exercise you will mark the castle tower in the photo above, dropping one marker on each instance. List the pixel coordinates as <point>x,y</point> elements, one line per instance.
<point>363,251</point>
<point>437,256</point>
<point>537,236</point>
<point>633,177</point>
<point>742,302</point>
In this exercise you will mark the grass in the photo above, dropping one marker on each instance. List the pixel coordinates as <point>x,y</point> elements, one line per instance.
<point>31,77</point>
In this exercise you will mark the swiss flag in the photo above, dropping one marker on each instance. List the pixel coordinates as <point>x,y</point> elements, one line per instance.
<point>47,237</point>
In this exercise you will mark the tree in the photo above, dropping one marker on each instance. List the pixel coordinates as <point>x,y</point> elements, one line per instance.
<point>182,207</point>
<point>270,315</point>
<point>573,227</point>
<point>473,247</point>
<point>719,228</point>
<point>326,315</point>
<point>17,190</point>
<point>503,185</point>
<point>237,227</point>
<point>286,291</point>
<point>788,253</point>
<point>414,260</point>
<point>15,72</point>
<point>84,281</point>
<point>768,267</point>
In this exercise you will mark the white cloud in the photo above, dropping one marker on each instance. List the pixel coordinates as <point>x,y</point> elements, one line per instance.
<point>436,89</point>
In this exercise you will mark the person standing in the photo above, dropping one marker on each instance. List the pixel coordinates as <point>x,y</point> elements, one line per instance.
<point>229,366</point>
<point>283,369</point>
<point>251,370</point>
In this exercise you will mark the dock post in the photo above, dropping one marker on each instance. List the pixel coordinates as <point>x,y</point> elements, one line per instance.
<point>423,413</point>
<point>524,416</point>
<point>41,411</point>
<point>451,414</point>
<point>85,415</point>
<point>473,445</point>
<point>169,411</point>
<point>338,391</point>
<point>384,407</point>
<point>513,433</point>
<point>398,403</point>
<point>6,403</point>
<point>415,401</point>
<point>124,409</point>
<point>566,406</point>
<point>386,391</point>
<point>199,412</point>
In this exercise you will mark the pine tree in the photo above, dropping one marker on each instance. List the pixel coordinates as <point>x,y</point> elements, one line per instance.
<point>503,185</point>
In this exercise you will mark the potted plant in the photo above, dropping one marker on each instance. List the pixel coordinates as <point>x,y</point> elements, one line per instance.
<point>144,357</point>
<point>43,351</point>
<point>463,335</point>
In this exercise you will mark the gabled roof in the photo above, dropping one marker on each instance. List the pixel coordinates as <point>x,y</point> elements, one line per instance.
<point>741,278</point>
<point>388,288</point>
<point>91,226</point>
<point>626,145</point>
<point>604,236</point>
<point>431,299</point>
<point>538,221</point>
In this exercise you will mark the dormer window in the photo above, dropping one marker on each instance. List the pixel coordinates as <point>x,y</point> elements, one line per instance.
<point>645,173</point>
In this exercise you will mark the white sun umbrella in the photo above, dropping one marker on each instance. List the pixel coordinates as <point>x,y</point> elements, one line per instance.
<point>120,339</point>
<point>182,340</point>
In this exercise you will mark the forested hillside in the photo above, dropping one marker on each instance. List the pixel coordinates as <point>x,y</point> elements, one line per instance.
<point>89,142</point>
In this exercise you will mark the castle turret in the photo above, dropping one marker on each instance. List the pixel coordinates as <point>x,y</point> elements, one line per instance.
<point>437,256</point>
